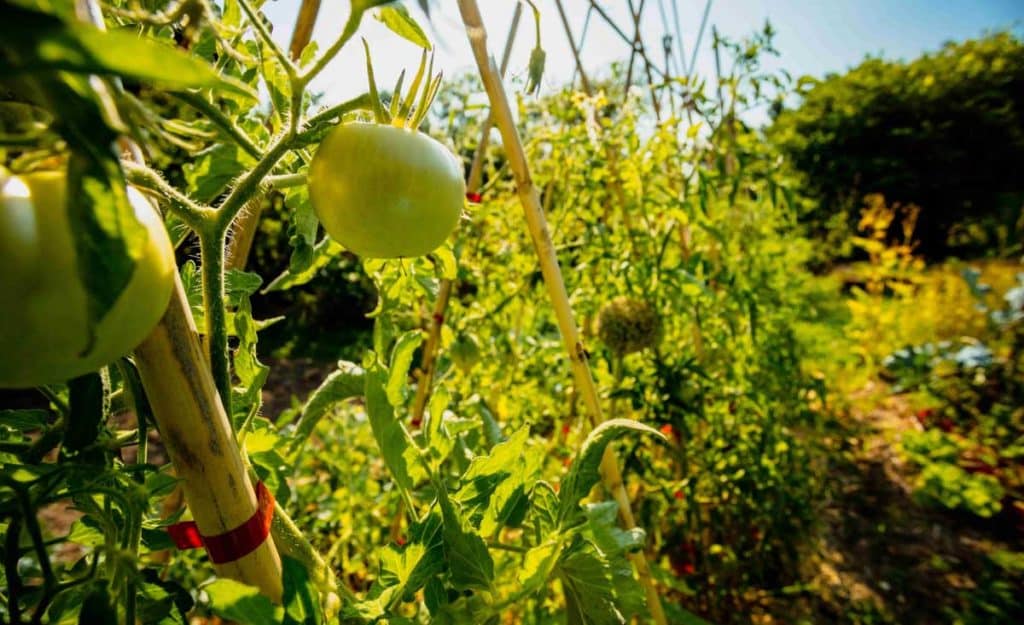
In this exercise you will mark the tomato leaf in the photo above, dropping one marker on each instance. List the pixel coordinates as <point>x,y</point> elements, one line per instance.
<point>538,564</point>
<point>238,602</point>
<point>587,582</point>
<point>301,605</point>
<point>23,420</point>
<point>344,383</point>
<point>401,359</point>
<point>34,41</point>
<point>324,253</point>
<point>213,169</point>
<point>406,570</point>
<point>396,17</point>
<point>614,543</point>
<point>251,373</point>
<point>392,439</point>
<point>584,472</point>
<point>469,563</point>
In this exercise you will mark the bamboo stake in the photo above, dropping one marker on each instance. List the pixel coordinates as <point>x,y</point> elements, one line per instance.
<point>197,434</point>
<point>194,426</point>
<point>303,28</point>
<point>428,364</point>
<point>530,200</point>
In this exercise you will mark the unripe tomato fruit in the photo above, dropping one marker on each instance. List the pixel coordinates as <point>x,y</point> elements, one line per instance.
<point>465,352</point>
<point>45,312</point>
<point>384,191</point>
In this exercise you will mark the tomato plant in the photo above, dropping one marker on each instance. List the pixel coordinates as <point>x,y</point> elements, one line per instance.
<point>628,253</point>
<point>47,337</point>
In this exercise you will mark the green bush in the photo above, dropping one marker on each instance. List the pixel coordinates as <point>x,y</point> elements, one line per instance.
<point>944,131</point>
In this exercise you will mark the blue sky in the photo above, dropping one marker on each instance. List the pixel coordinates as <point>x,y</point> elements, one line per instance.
<point>813,36</point>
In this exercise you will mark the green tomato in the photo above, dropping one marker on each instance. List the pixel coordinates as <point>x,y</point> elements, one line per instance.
<point>44,333</point>
<point>384,191</point>
<point>464,352</point>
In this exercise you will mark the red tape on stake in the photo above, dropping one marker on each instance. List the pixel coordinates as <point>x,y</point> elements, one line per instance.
<point>233,544</point>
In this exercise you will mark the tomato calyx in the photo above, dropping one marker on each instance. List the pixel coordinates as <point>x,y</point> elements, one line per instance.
<point>407,112</point>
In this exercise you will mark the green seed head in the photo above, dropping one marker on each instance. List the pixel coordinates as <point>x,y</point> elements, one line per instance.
<point>627,325</point>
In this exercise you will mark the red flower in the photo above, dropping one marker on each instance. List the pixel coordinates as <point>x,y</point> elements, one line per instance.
<point>679,495</point>
<point>565,429</point>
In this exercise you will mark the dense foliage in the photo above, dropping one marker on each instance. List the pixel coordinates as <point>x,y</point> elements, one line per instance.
<point>944,131</point>
<point>436,460</point>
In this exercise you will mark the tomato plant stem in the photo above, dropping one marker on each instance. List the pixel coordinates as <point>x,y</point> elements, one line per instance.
<point>256,18</point>
<point>146,179</point>
<point>213,113</point>
<point>211,246</point>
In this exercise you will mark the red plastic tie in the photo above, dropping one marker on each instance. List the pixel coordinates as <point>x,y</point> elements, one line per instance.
<point>233,544</point>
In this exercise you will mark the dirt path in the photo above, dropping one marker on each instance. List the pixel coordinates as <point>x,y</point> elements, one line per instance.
<point>884,557</point>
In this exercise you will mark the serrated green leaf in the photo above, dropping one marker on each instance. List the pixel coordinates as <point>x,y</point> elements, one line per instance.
<point>42,42</point>
<point>344,383</point>
<point>324,252</point>
<point>447,266</point>
<point>614,545</point>
<point>587,583</point>
<point>251,373</point>
<point>301,604</point>
<point>469,563</point>
<point>398,368</point>
<point>396,17</point>
<point>23,420</point>
<point>392,439</point>
<point>584,472</point>
<point>240,284</point>
<point>538,564</point>
<point>212,170</point>
<point>108,237</point>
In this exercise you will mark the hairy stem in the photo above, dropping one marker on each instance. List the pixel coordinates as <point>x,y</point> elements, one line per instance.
<point>261,29</point>
<point>211,245</point>
<point>223,123</point>
<point>191,212</point>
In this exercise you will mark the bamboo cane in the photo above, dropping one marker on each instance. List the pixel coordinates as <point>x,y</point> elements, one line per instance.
<point>195,430</point>
<point>530,200</point>
<point>194,426</point>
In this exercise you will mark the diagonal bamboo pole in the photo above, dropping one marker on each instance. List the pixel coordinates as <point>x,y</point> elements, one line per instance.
<point>195,430</point>
<point>547,256</point>
<point>194,426</point>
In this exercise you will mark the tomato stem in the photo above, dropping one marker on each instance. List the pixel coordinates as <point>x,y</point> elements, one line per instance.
<point>213,113</point>
<point>255,17</point>
<point>211,245</point>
